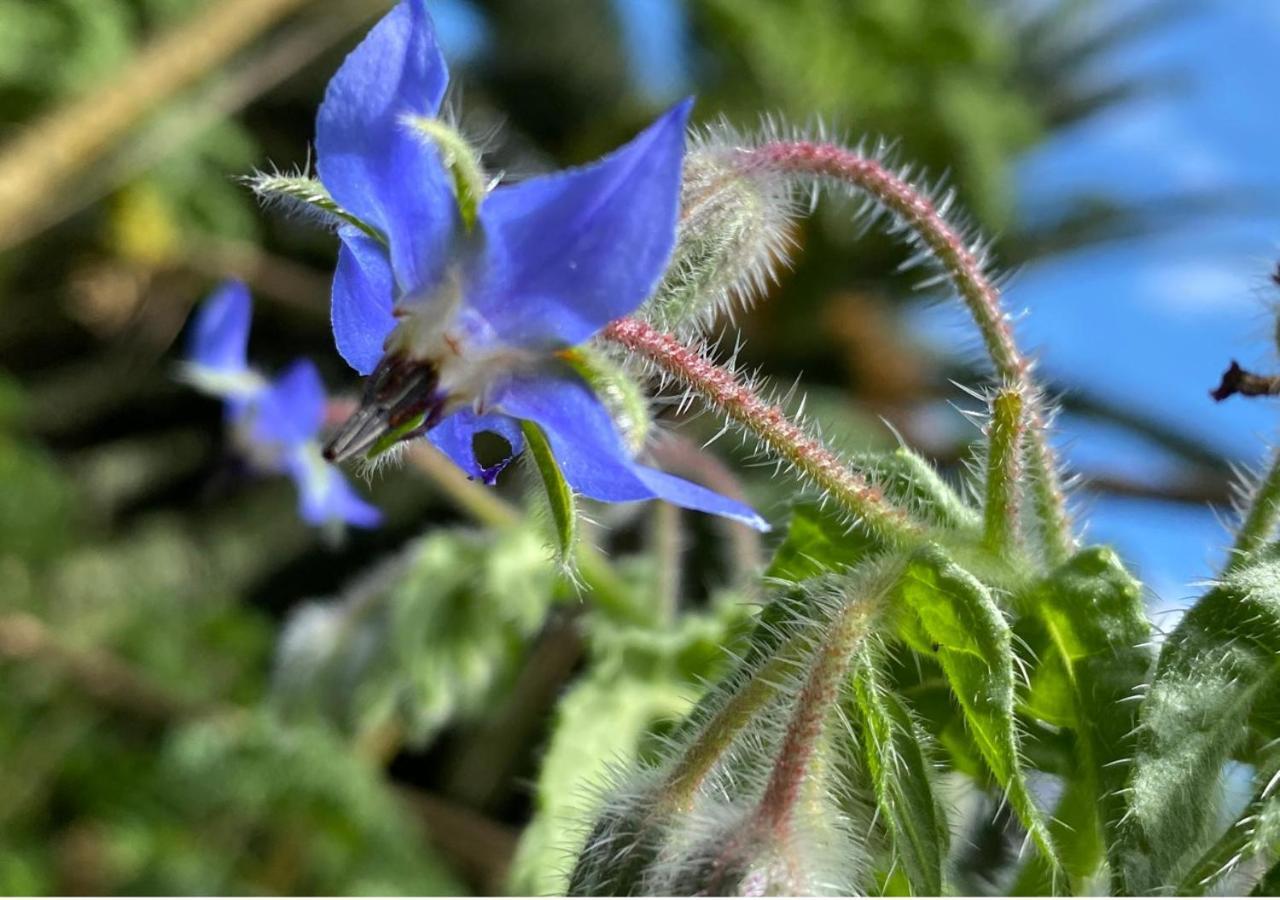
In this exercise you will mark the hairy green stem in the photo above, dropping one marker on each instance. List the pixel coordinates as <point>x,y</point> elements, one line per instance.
<point>728,721</point>
<point>818,698</point>
<point>786,440</point>
<point>1004,469</point>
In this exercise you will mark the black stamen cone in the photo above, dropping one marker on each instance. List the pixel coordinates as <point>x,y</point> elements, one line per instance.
<point>399,391</point>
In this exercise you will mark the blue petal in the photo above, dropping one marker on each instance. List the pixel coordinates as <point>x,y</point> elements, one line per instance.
<point>371,162</point>
<point>570,252</point>
<point>220,333</point>
<point>454,436</point>
<point>591,453</point>
<point>291,410</point>
<point>362,300</point>
<point>324,496</point>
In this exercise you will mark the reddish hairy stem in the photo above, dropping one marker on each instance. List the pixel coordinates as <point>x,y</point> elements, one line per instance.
<point>818,697</point>
<point>721,390</point>
<point>979,293</point>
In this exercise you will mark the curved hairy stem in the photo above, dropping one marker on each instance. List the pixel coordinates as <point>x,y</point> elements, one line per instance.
<point>720,389</point>
<point>943,242</point>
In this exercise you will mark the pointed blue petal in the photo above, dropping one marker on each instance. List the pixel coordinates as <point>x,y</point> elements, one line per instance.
<point>372,164</point>
<point>220,333</point>
<point>572,251</point>
<point>362,300</point>
<point>324,496</point>
<point>291,410</point>
<point>454,437</point>
<point>591,453</point>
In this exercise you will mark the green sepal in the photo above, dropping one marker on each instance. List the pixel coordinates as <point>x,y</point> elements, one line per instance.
<point>560,499</point>
<point>895,755</point>
<point>306,193</point>
<point>462,163</point>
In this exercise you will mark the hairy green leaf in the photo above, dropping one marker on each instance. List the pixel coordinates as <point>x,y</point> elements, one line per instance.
<point>949,614</point>
<point>1094,662</point>
<point>819,540</point>
<point>901,770</point>
<point>1254,835</point>
<point>1223,656</point>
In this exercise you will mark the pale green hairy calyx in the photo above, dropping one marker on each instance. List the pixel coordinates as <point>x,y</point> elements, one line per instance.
<point>734,233</point>
<point>460,159</point>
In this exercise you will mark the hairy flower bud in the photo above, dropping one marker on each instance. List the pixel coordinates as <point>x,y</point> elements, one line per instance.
<point>735,224</point>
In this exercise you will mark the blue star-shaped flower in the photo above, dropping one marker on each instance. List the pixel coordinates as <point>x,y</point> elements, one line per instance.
<point>276,423</point>
<point>463,326</point>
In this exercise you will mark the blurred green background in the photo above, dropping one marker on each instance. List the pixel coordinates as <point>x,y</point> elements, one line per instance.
<point>200,695</point>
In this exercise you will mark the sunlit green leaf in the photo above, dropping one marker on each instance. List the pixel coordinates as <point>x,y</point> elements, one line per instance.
<point>1095,659</point>
<point>819,540</point>
<point>947,613</point>
<point>1223,656</point>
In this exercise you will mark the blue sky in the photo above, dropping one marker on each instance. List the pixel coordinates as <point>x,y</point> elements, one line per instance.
<point>1152,321</point>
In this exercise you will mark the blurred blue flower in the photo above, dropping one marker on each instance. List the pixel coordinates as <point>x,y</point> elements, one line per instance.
<point>275,423</point>
<point>463,329</point>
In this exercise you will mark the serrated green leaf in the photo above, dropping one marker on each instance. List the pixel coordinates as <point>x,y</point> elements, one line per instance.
<point>1095,659</point>
<point>900,767</point>
<point>949,614</point>
<point>564,510</point>
<point>1220,660</point>
<point>819,540</point>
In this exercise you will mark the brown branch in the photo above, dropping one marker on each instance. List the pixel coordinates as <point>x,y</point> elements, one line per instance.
<point>1245,383</point>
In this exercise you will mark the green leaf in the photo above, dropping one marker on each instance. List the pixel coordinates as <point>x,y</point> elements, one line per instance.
<point>1254,835</point>
<point>1269,884</point>
<point>819,540</point>
<point>1222,658</point>
<point>950,615</point>
<point>564,512</point>
<point>640,678</point>
<point>893,748</point>
<point>1095,660</point>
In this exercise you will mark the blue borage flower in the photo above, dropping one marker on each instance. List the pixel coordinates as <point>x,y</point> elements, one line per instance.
<point>463,325</point>
<point>277,423</point>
